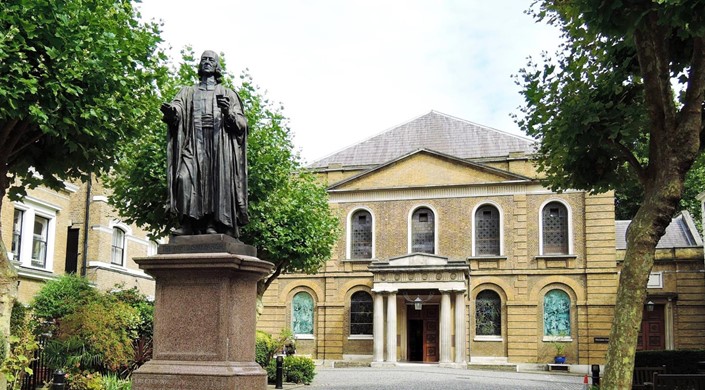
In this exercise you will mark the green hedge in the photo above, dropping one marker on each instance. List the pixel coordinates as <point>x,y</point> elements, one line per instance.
<point>676,362</point>
<point>297,369</point>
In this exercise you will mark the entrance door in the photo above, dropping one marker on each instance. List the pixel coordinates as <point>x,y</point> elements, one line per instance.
<point>422,334</point>
<point>652,334</point>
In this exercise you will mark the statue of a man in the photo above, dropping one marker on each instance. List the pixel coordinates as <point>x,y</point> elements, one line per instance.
<point>207,161</point>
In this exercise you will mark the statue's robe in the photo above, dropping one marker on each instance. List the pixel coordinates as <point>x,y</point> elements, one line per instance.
<point>207,166</point>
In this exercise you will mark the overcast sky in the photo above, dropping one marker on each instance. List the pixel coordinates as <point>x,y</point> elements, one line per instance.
<point>348,70</point>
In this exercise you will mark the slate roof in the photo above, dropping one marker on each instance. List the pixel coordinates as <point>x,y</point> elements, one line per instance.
<point>433,131</point>
<point>681,233</point>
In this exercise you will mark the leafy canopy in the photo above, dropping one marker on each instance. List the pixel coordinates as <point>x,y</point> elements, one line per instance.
<point>290,221</point>
<point>76,78</point>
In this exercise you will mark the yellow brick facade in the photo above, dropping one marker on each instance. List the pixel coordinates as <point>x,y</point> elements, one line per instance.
<point>66,213</point>
<point>521,275</point>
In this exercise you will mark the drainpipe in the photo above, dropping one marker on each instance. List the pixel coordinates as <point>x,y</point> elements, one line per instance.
<point>86,217</point>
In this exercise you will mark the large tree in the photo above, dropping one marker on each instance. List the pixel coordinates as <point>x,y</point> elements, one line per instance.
<point>622,101</point>
<point>291,224</point>
<point>75,81</point>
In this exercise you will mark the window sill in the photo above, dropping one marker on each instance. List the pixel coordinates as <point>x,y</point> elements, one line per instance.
<point>359,260</point>
<point>489,338</point>
<point>304,337</point>
<point>558,339</point>
<point>486,262</point>
<point>556,261</point>
<point>360,337</point>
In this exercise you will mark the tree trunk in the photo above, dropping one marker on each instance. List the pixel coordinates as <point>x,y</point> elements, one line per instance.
<point>8,283</point>
<point>644,232</point>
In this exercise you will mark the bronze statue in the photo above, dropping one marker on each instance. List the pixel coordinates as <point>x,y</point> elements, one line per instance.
<point>207,161</point>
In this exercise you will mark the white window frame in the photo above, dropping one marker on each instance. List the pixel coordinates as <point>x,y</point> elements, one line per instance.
<point>348,249</point>
<point>655,280</point>
<point>116,224</point>
<point>569,210</point>
<point>501,225</point>
<point>436,224</point>
<point>32,208</point>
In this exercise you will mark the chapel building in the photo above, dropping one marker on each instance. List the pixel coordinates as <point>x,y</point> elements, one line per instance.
<point>452,251</point>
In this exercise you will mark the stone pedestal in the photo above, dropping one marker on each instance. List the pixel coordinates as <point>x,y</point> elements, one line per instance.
<point>204,316</point>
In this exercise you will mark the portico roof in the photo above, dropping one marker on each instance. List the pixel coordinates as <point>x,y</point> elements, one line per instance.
<point>419,271</point>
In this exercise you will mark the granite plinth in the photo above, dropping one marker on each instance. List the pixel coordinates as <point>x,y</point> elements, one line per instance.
<point>204,316</point>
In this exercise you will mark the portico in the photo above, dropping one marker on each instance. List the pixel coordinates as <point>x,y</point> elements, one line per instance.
<point>419,310</point>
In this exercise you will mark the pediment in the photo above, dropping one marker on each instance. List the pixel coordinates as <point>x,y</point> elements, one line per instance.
<point>425,168</point>
<point>418,260</point>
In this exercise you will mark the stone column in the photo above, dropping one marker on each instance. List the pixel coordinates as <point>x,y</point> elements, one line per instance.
<point>460,330</point>
<point>445,327</point>
<point>392,327</point>
<point>378,328</point>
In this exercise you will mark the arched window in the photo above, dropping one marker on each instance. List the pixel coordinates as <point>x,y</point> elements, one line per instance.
<point>423,230</point>
<point>361,235</point>
<point>488,314</point>
<point>555,229</point>
<point>118,247</point>
<point>487,231</point>
<point>302,314</point>
<point>556,313</point>
<point>361,313</point>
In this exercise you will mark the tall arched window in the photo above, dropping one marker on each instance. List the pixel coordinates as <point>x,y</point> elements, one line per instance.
<point>361,313</point>
<point>302,314</point>
<point>555,229</point>
<point>487,231</point>
<point>423,230</point>
<point>361,235</point>
<point>488,314</point>
<point>118,247</point>
<point>556,313</point>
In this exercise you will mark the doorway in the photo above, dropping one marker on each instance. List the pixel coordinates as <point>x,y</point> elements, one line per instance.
<point>422,333</point>
<point>652,333</point>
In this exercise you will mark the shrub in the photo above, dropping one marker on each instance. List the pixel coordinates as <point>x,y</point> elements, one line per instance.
<point>264,348</point>
<point>138,301</point>
<point>61,297</point>
<point>676,362</point>
<point>22,346</point>
<point>296,369</point>
<point>112,382</point>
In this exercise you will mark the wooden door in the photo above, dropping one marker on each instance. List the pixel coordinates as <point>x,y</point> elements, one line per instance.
<point>652,335</point>
<point>430,333</point>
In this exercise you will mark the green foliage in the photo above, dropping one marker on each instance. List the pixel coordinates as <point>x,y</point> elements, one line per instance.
<point>113,382</point>
<point>63,296</point>
<point>103,331</point>
<point>75,80</point>
<point>264,348</point>
<point>676,362</point>
<point>85,380</point>
<point>296,369</point>
<point>23,343</point>
<point>18,317</point>
<point>290,221</point>
<point>138,301</point>
<point>267,346</point>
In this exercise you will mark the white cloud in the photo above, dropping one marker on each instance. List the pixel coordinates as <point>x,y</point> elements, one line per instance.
<point>346,70</point>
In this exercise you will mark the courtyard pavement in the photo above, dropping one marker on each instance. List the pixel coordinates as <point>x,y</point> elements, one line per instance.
<point>422,377</point>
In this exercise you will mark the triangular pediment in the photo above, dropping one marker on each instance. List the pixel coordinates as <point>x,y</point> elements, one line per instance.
<point>418,260</point>
<point>426,168</point>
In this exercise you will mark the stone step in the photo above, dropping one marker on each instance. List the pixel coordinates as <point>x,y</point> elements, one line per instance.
<point>492,367</point>
<point>350,364</point>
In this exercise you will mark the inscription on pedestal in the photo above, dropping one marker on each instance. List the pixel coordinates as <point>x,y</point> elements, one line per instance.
<point>171,382</point>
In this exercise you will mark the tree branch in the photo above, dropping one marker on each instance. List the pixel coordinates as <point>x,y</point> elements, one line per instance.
<point>652,51</point>
<point>275,275</point>
<point>6,130</point>
<point>692,111</point>
<point>631,159</point>
<point>16,150</point>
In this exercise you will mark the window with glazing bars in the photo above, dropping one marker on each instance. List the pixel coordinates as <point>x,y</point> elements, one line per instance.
<point>17,234</point>
<point>487,231</point>
<point>423,231</point>
<point>361,235</point>
<point>39,241</point>
<point>361,314</point>
<point>118,246</point>
<point>555,229</point>
<point>488,314</point>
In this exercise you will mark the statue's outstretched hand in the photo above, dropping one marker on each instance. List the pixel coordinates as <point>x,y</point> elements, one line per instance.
<point>170,114</point>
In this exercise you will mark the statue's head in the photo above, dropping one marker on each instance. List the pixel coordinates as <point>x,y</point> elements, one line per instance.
<point>210,65</point>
